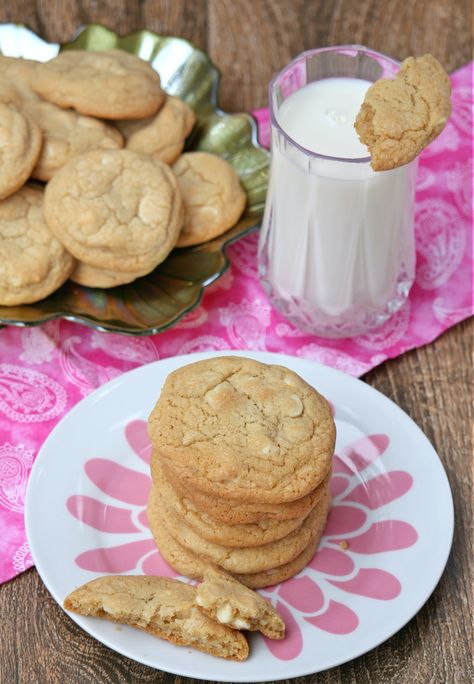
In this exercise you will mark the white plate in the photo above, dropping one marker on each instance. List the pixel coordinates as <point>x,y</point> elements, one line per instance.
<point>392,506</point>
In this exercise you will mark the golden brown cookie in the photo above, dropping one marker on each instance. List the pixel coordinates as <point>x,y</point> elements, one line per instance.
<point>264,531</point>
<point>20,73</point>
<point>399,117</point>
<point>66,134</point>
<point>244,560</point>
<point>33,263</point>
<point>160,606</point>
<point>212,194</point>
<point>163,135</point>
<point>237,428</point>
<point>90,276</point>
<point>20,143</point>
<point>115,210</point>
<point>188,564</point>
<point>231,603</point>
<point>234,513</point>
<point>111,84</point>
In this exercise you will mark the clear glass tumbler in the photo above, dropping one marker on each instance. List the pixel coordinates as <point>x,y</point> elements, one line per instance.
<point>337,250</point>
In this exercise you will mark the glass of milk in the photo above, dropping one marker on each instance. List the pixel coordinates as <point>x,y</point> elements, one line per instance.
<point>337,250</point>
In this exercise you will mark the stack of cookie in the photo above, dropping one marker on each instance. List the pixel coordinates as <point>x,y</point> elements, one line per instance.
<point>101,132</point>
<point>241,464</point>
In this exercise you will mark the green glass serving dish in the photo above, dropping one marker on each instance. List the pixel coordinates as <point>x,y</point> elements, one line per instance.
<point>157,301</point>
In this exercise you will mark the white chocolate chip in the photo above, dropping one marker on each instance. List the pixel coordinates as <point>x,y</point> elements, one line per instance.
<point>268,447</point>
<point>190,436</point>
<point>216,396</point>
<point>294,407</point>
<point>200,601</point>
<point>238,623</point>
<point>224,614</point>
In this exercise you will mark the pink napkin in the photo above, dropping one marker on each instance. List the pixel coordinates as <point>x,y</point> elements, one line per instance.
<point>44,371</point>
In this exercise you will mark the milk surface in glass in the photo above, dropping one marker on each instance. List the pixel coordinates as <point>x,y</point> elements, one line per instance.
<point>336,251</point>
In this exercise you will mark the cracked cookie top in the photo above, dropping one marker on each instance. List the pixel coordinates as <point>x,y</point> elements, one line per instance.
<point>400,117</point>
<point>20,142</point>
<point>163,135</point>
<point>33,263</point>
<point>115,209</point>
<point>112,84</point>
<point>238,428</point>
<point>212,195</point>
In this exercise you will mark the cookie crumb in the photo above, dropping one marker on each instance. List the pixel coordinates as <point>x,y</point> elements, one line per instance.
<point>344,545</point>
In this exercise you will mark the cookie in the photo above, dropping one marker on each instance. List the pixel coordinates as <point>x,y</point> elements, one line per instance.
<point>237,428</point>
<point>400,117</point>
<point>162,607</point>
<point>33,263</point>
<point>90,276</point>
<point>115,210</point>
<point>111,84</point>
<point>233,513</point>
<point>262,532</point>
<point>213,197</point>
<point>249,559</point>
<point>20,144</point>
<point>67,134</point>
<point>20,73</point>
<point>163,135</point>
<point>188,564</point>
<point>229,602</point>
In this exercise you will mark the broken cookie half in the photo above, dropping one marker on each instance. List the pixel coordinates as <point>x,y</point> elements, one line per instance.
<point>400,117</point>
<point>163,607</point>
<point>229,602</point>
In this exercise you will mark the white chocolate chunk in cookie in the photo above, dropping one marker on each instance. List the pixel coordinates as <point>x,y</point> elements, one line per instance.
<point>229,602</point>
<point>160,606</point>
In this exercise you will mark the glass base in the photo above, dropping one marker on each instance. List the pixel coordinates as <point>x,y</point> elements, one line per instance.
<point>351,324</point>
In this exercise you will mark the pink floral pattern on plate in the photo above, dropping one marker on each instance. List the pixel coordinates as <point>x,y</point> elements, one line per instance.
<point>318,596</point>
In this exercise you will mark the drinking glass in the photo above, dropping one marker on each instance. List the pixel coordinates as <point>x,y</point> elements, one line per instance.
<point>337,251</point>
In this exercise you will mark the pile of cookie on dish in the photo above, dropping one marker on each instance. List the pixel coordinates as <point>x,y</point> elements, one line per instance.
<point>99,130</point>
<point>241,463</point>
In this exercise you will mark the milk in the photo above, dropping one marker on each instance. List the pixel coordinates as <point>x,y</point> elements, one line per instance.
<point>321,116</point>
<point>336,248</point>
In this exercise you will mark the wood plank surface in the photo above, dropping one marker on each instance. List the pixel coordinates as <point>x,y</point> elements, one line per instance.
<point>250,40</point>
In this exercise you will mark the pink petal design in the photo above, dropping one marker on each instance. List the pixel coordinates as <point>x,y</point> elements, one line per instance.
<point>358,455</point>
<point>156,565</point>
<point>100,516</point>
<point>332,562</point>
<point>291,646</point>
<point>303,594</point>
<point>336,619</point>
<point>338,485</point>
<point>115,480</point>
<point>381,489</point>
<point>387,535</point>
<point>373,583</point>
<point>137,436</point>
<point>344,519</point>
<point>143,519</point>
<point>116,558</point>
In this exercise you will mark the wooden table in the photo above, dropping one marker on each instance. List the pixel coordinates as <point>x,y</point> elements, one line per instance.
<point>250,40</point>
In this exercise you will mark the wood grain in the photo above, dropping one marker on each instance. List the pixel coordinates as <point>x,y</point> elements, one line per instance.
<point>250,40</point>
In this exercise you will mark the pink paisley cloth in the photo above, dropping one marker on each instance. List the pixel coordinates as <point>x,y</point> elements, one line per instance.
<point>44,371</point>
